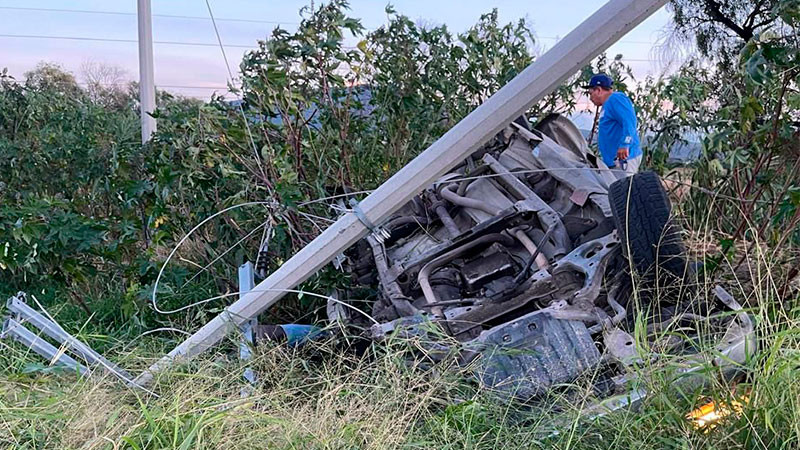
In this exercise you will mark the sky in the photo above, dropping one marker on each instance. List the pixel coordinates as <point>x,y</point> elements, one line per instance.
<point>28,29</point>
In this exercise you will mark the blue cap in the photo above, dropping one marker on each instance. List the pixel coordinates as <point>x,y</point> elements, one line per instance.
<point>601,80</point>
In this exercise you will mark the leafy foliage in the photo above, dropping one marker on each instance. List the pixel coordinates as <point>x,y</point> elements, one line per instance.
<point>719,28</point>
<point>89,214</point>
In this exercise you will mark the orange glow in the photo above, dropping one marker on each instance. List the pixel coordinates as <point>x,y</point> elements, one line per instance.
<point>708,415</point>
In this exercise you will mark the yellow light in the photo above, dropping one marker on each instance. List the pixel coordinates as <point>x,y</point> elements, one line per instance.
<point>708,415</point>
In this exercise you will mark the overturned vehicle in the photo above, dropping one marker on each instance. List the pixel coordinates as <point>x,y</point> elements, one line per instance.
<point>540,263</point>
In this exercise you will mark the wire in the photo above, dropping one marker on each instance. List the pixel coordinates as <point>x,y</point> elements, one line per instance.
<point>178,86</point>
<point>239,104</point>
<point>256,289</point>
<point>126,83</point>
<point>195,44</point>
<point>155,330</point>
<point>121,13</point>
<point>219,19</point>
<point>221,255</point>
<point>183,239</point>
<point>323,199</point>
<point>563,169</point>
<point>556,38</point>
<point>127,41</point>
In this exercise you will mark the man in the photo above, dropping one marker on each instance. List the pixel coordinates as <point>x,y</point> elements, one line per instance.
<point>617,138</point>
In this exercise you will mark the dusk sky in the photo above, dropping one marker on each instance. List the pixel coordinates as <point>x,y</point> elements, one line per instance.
<point>28,31</point>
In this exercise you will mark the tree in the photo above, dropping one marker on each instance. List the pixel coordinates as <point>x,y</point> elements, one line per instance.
<point>50,76</point>
<point>720,28</point>
<point>106,84</point>
<point>746,109</point>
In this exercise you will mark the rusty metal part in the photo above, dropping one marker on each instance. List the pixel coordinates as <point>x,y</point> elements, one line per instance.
<point>527,242</point>
<point>547,216</point>
<point>449,194</point>
<point>393,290</point>
<point>426,270</point>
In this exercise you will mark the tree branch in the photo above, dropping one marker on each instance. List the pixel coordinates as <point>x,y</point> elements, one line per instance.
<point>713,9</point>
<point>748,23</point>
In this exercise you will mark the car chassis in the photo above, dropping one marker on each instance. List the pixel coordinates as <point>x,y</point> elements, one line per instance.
<point>535,259</point>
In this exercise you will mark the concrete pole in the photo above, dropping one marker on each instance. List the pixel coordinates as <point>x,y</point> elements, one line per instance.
<point>147,89</point>
<point>606,26</point>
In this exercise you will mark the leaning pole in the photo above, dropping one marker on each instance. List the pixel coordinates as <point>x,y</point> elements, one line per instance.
<point>607,25</point>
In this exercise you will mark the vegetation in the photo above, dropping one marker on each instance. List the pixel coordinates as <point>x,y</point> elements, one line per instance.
<point>88,216</point>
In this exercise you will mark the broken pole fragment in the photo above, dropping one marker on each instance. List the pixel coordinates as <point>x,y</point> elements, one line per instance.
<point>607,25</point>
<point>23,312</point>
<point>38,345</point>
<point>246,282</point>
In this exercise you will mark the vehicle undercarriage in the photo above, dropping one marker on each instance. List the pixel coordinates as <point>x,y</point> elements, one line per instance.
<point>536,260</point>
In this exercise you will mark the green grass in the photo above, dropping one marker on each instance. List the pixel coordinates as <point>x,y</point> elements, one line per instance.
<point>321,397</point>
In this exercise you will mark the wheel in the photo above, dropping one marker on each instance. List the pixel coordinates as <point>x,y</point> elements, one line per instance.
<point>642,215</point>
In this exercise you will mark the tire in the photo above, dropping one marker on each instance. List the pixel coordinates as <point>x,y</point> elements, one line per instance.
<point>642,215</point>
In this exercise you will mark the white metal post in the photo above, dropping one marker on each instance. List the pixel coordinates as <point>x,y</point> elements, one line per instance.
<point>246,283</point>
<point>43,348</point>
<point>612,21</point>
<point>26,314</point>
<point>147,89</point>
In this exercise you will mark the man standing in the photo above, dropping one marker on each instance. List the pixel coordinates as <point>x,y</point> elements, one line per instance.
<point>617,137</point>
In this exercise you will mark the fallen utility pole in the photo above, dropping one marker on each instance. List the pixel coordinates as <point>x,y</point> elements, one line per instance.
<point>612,21</point>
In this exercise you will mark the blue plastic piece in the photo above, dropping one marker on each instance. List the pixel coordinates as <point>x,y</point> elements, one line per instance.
<point>297,334</point>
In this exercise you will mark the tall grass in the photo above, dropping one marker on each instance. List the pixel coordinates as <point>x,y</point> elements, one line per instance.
<point>321,396</point>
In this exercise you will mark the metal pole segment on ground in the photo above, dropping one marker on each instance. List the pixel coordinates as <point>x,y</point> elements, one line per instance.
<point>606,26</point>
<point>43,348</point>
<point>25,313</point>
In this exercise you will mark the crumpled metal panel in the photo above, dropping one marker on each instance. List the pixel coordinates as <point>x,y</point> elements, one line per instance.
<point>564,132</point>
<point>483,190</point>
<point>527,356</point>
<point>575,175</point>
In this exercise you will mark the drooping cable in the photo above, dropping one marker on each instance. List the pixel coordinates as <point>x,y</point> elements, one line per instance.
<point>241,101</point>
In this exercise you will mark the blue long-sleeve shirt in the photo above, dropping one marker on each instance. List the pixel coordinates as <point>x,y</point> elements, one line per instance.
<point>617,129</point>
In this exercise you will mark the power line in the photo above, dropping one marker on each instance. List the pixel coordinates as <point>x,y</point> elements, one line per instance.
<point>176,16</point>
<point>130,41</point>
<point>133,41</point>
<point>121,13</point>
<point>241,109</point>
<point>126,83</point>
<point>196,44</point>
<point>556,38</point>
